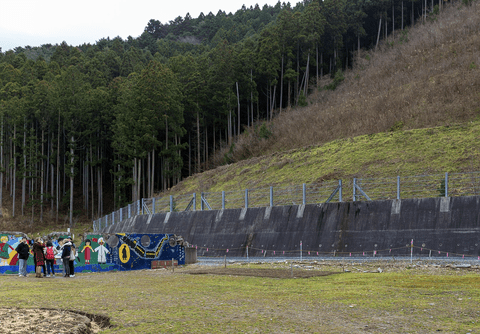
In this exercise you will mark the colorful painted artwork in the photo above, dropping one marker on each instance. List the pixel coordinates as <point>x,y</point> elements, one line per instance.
<point>102,253</point>
<point>8,254</point>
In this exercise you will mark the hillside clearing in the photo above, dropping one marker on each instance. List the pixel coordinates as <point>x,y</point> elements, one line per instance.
<point>437,150</point>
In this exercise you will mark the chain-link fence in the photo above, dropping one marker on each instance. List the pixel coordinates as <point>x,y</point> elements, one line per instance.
<point>420,186</point>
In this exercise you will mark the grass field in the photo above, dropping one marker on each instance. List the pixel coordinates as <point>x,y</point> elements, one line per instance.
<point>401,299</point>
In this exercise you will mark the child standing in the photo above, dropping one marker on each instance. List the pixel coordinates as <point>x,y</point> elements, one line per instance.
<point>50,252</point>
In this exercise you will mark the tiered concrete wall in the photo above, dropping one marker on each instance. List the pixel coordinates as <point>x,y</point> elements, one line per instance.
<point>449,224</point>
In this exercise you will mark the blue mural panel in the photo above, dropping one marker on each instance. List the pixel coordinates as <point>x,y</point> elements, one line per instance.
<point>94,254</point>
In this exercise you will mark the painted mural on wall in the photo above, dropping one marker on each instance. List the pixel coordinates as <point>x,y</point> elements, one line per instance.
<point>8,254</point>
<point>102,253</point>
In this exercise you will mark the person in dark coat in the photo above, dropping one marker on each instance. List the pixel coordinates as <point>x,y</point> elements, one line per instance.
<point>67,248</point>
<point>73,252</point>
<point>23,251</point>
<point>38,256</point>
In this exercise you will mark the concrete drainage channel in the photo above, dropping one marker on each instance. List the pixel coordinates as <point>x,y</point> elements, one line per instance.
<point>48,320</point>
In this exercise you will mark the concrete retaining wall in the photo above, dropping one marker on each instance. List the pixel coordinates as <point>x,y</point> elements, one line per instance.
<point>450,224</point>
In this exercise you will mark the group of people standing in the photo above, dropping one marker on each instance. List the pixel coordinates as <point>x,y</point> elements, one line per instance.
<point>44,256</point>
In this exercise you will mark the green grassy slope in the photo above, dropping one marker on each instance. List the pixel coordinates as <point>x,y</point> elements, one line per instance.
<point>406,153</point>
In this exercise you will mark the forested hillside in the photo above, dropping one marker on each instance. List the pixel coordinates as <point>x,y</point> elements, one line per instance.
<point>86,129</point>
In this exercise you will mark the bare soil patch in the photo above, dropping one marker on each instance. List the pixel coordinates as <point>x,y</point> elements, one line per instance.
<point>254,272</point>
<point>13,321</point>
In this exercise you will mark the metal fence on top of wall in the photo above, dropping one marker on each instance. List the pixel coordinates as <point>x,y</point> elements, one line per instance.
<point>420,186</point>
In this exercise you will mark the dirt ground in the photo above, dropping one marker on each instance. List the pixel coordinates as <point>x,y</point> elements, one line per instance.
<point>32,321</point>
<point>271,273</point>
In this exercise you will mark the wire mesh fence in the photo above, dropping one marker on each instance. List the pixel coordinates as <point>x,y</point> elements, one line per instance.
<point>419,186</point>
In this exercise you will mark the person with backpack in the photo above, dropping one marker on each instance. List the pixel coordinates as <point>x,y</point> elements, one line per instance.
<point>50,252</point>
<point>67,248</point>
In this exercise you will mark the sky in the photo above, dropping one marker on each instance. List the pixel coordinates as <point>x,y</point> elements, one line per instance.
<point>37,22</point>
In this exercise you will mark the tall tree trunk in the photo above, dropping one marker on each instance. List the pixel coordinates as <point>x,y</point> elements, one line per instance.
<point>153,173</point>
<point>14,174</point>
<point>92,188</point>
<point>24,178</point>
<point>393,20</point>
<point>297,89</point>
<point>149,174</point>
<point>134,185</point>
<point>425,20</point>
<point>307,71</point>
<point>214,140</point>
<point>206,146</point>
<point>99,186</point>
<point>316,62</point>
<point>229,129</point>
<point>42,177</point>
<point>273,102</point>
<point>289,95</point>
<point>379,30</point>
<point>189,153</point>
<point>321,62</point>
<point>251,93</point>
<point>238,104</point>
<point>72,171</point>
<point>139,178</point>
<point>413,14</point>
<point>198,139</point>
<point>52,182</point>
<point>58,170</point>
<point>281,86</point>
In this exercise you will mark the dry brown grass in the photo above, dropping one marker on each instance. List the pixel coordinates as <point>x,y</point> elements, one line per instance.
<point>428,76</point>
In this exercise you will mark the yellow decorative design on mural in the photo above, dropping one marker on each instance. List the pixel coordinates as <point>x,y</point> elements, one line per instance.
<point>124,253</point>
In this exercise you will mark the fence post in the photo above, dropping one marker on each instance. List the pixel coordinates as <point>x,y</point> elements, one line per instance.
<point>171,203</point>
<point>339,190</point>
<point>446,184</point>
<point>142,205</point>
<point>121,214</point>
<point>304,192</point>
<point>194,201</point>
<point>223,199</point>
<point>246,198</point>
<point>113,217</point>
<point>201,201</point>
<point>271,196</point>
<point>354,188</point>
<point>301,251</point>
<point>138,207</point>
<point>153,205</point>
<point>398,187</point>
<point>129,211</point>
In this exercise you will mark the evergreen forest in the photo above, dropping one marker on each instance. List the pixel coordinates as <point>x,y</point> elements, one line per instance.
<point>87,129</point>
